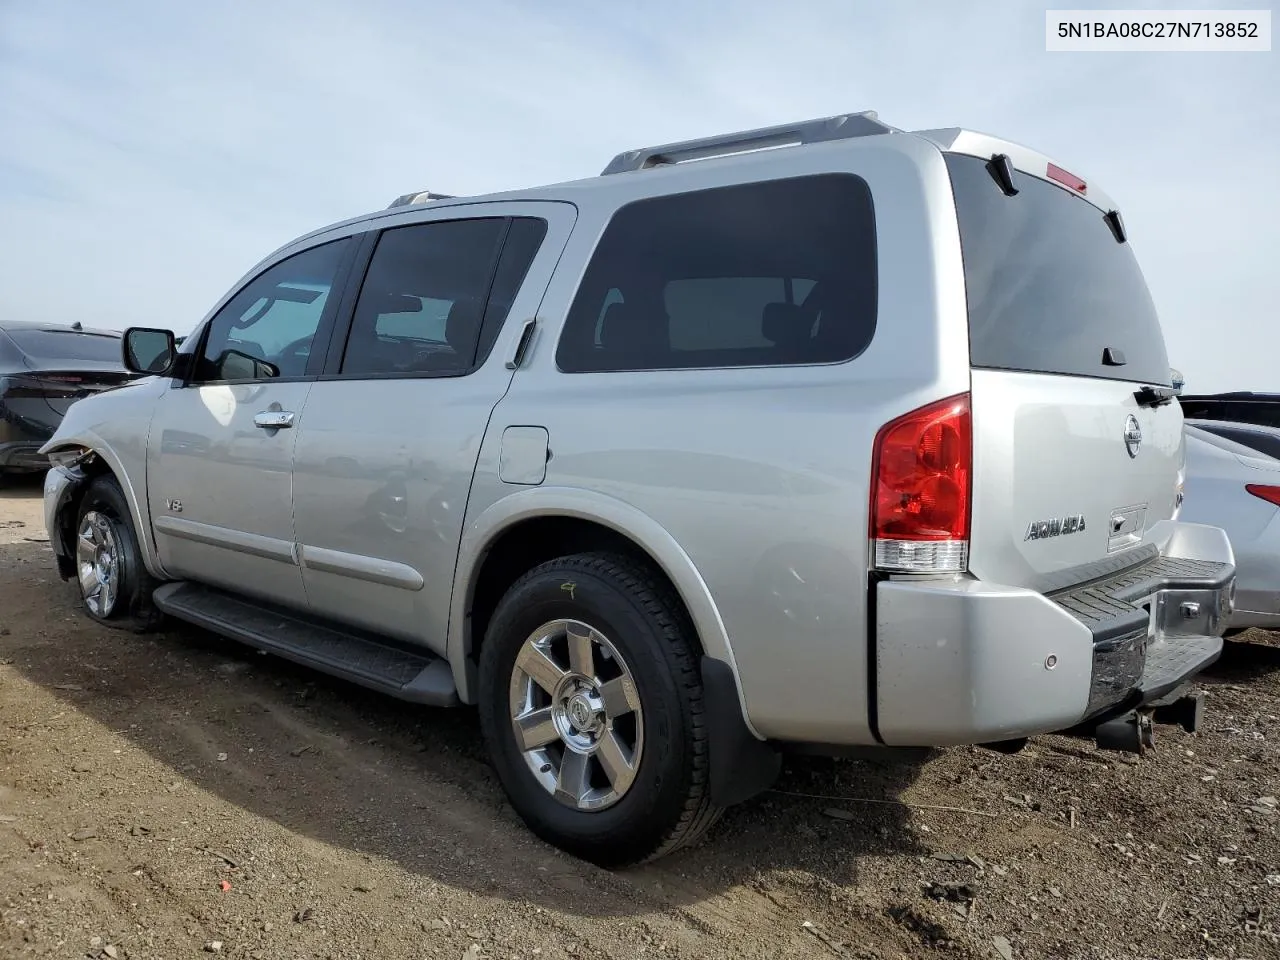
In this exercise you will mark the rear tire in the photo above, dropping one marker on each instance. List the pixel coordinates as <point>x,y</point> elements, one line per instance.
<point>115,587</point>
<point>592,657</point>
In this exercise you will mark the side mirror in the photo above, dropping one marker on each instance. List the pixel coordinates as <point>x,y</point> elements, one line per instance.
<point>148,350</point>
<point>238,365</point>
<point>1178,381</point>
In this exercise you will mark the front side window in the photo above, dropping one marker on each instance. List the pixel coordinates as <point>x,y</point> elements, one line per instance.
<point>763,274</point>
<point>425,296</point>
<point>267,329</point>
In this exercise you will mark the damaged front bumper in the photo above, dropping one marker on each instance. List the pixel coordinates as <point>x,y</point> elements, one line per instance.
<point>60,486</point>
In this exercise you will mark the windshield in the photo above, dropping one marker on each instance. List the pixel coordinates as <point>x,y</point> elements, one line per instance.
<point>69,345</point>
<point>1049,287</point>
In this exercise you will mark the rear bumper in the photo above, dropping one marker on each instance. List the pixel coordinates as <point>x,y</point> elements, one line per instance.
<point>1258,593</point>
<point>1246,617</point>
<point>964,661</point>
<point>23,456</point>
<point>25,425</point>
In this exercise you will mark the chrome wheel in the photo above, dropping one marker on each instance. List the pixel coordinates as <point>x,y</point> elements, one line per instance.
<point>98,563</point>
<point>576,715</point>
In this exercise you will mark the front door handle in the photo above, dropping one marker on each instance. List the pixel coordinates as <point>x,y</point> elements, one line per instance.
<point>273,419</point>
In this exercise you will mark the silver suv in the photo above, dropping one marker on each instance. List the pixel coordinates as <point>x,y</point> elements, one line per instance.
<point>864,439</point>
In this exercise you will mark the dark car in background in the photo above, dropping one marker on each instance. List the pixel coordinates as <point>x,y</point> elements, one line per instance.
<point>1261,409</point>
<point>44,368</point>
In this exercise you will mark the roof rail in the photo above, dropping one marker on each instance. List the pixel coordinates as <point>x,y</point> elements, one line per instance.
<point>418,196</point>
<point>842,127</point>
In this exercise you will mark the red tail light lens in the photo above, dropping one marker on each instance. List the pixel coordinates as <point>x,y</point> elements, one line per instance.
<point>921,486</point>
<point>1267,493</point>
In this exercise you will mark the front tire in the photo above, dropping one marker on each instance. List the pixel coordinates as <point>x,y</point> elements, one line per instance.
<point>115,587</point>
<point>591,706</point>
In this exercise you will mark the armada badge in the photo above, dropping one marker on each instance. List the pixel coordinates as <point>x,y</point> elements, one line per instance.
<point>1055,527</point>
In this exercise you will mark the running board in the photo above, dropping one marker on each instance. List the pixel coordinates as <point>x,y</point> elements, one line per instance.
<point>371,661</point>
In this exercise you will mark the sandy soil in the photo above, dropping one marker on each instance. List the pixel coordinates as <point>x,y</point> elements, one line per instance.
<point>178,796</point>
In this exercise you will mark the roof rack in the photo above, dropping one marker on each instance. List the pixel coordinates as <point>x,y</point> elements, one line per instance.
<point>418,196</point>
<point>842,127</point>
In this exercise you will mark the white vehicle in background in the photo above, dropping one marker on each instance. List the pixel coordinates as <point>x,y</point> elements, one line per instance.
<point>1234,484</point>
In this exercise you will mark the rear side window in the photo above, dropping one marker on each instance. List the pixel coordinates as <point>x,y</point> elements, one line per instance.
<point>1049,287</point>
<point>68,345</point>
<point>436,295</point>
<point>774,273</point>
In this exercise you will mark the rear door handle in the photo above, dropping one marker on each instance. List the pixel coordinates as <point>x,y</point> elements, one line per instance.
<point>273,419</point>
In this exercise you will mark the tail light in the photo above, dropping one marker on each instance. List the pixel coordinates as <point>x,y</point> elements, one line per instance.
<point>1267,493</point>
<point>921,477</point>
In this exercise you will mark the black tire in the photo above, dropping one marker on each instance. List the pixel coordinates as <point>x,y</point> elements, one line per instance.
<point>668,804</point>
<point>132,608</point>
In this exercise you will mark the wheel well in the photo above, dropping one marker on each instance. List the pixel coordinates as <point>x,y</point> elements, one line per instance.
<point>91,468</point>
<point>531,542</point>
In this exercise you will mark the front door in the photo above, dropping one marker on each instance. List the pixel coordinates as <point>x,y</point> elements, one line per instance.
<point>388,448</point>
<point>220,452</point>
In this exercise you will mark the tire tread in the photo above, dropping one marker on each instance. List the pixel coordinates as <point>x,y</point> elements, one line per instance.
<point>649,591</point>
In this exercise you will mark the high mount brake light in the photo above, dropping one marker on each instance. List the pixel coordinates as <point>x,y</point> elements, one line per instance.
<point>920,498</point>
<point>1055,172</point>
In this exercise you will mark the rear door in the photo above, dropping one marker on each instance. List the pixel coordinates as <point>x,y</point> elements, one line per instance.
<point>386,454</point>
<point>1073,462</point>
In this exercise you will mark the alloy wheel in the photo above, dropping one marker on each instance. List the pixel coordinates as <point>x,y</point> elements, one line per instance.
<point>576,715</point>
<point>98,563</point>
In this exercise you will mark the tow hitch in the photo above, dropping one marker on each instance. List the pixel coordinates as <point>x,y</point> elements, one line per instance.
<point>1134,732</point>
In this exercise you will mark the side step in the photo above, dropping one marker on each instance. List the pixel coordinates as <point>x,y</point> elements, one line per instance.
<point>371,661</point>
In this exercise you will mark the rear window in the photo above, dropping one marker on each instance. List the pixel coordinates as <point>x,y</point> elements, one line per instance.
<point>67,345</point>
<point>1049,287</point>
<point>774,273</point>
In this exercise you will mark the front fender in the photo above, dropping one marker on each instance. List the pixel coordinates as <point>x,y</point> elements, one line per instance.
<point>115,426</point>
<point>69,492</point>
<point>621,517</point>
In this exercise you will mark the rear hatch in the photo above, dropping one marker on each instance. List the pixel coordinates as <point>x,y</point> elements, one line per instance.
<point>1077,444</point>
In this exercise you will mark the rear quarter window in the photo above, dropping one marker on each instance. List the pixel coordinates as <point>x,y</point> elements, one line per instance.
<point>779,272</point>
<point>1049,287</point>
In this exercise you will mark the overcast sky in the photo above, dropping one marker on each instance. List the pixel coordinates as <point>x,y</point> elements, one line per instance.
<point>151,152</point>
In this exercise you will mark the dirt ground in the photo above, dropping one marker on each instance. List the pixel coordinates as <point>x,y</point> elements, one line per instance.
<point>178,795</point>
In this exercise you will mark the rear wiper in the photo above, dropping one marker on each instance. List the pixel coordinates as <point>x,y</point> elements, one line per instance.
<point>1154,396</point>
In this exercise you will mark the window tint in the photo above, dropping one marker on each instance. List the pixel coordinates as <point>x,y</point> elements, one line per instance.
<point>780,272</point>
<point>423,298</point>
<point>1049,287</point>
<point>68,345</point>
<point>523,240</point>
<point>267,328</point>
